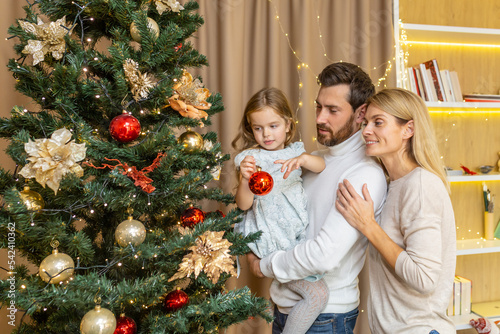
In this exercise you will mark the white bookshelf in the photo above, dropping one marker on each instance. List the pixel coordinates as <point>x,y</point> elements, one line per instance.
<point>460,107</point>
<point>450,34</point>
<point>477,246</point>
<point>462,321</point>
<point>416,36</point>
<point>477,177</point>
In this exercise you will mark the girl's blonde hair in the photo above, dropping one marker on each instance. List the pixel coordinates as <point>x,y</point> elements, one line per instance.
<point>422,146</point>
<point>272,98</point>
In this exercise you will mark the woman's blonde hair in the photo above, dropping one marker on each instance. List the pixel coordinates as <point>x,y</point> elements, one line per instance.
<point>265,98</point>
<point>422,146</point>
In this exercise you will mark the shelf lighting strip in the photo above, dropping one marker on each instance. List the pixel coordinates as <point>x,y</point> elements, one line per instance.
<point>454,44</point>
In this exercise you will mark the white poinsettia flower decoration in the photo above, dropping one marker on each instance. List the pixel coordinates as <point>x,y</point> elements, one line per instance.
<point>51,159</point>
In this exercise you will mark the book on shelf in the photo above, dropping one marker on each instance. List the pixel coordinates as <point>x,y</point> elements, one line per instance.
<point>435,75</point>
<point>433,84</point>
<point>413,82</point>
<point>450,311</point>
<point>465,294</point>
<point>430,91</point>
<point>448,92</point>
<point>456,296</point>
<point>455,84</point>
<point>420,84</point>
<point>481,98</point>
<point>460,301</point>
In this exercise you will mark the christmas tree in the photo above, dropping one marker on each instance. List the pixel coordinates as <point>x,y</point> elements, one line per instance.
<point>106,199</point>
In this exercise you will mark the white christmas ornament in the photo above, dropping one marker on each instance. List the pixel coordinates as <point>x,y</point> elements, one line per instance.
<point>56,267</point>
<point>130,231</point>
<point>98,321</point>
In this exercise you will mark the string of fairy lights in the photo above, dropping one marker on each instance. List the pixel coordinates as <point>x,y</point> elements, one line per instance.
<point>303,65</point>
<point>402,52</point>
<point>452,114</point>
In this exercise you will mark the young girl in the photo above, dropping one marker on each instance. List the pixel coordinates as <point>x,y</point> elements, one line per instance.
<point>266,132</point>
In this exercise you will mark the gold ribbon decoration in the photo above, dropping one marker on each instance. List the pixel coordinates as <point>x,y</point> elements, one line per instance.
<point>210,255</point>
<point>50,39</point>
<point>164,5</point>
<point>190,98</point>
<point>139,83</point>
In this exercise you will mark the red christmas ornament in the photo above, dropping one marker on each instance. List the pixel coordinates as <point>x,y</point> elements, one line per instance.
<point>125,325</point>
<point>192,216</point>
<point>124,128</point>
<point>175,300</point>
<point>261,183</point>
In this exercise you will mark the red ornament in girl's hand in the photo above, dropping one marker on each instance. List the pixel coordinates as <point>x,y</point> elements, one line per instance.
<point>124,128</point>
<point>261,183</point>
<point>192,216</point>
<point>125,325</point>
<point>175,300</point>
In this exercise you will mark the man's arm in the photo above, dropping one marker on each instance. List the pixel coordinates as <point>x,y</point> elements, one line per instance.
<point>334,241</point>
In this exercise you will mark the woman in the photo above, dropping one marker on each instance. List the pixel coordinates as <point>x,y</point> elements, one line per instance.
<point>412,251</point>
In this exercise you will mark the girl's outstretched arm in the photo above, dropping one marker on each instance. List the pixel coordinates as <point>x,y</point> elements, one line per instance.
<point>311,162</point>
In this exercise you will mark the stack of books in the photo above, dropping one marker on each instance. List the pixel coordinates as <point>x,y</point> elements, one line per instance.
<point>432,84</point>
<point>460,302</point>
<point>481,98</point>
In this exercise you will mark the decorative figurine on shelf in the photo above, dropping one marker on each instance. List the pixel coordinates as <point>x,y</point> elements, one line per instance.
<point>484,326</point>
<point>467,171</point>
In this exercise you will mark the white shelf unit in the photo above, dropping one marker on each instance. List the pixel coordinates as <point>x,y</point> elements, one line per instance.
<point>450,34</point>
<point>427,33</point>
<point>460,107</point>
<point>462,321</point>
<point>472,178</point>
<point>477,246</point>
<point>436,34</point>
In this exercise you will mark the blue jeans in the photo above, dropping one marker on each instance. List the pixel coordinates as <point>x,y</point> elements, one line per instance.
<point>326,323</point>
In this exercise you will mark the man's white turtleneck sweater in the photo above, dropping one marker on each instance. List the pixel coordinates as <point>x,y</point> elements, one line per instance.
<point>333,248</point>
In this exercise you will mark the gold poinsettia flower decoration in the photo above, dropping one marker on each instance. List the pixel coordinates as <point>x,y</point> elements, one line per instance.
<point>210,255</point>
<point>190,98</point>
<point>139,83</point>
<point>51,159</point>
<point>50,39</point>
<point>164,5</point>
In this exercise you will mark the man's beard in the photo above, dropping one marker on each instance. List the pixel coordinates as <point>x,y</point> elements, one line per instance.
<point>338,137</point>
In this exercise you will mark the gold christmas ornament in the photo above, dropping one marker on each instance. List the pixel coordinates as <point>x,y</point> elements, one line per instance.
<point>190,98</point>
<point>33,200</point>
<point>51,159</point>
<point>140,84</point>
<point>50,39</point>
<point>130,231</point>
<point>164,5</point>
<point>191,141</point>
<point>210,255</point>
<point>152,26</point>
<point>100,320</point>
<point>56,267</point>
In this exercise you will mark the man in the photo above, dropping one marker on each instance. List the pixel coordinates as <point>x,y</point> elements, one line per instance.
<point>334,248</point>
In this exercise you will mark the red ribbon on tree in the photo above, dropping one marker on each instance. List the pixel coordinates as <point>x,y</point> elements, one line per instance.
<point>139,176</point>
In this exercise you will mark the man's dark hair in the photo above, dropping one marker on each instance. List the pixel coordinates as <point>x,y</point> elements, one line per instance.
<point>361,87</point>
